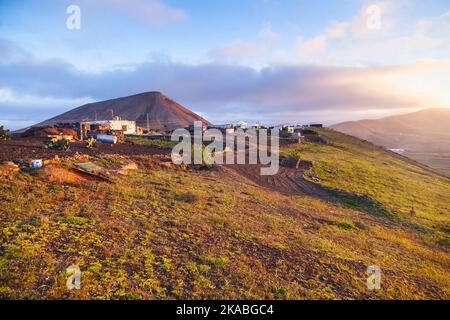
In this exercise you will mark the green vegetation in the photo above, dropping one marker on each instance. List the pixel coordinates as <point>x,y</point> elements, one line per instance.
<point>168,233</point>
<point>368,179</point>
<point>346,225</point>
<point>164,144</point>
<point>57,144</point>
<point>4,134</point>
<point>90,143</point>
<point>309,131</point>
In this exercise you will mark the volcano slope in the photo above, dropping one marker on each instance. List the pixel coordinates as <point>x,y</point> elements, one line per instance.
<point>163,232</point>
<point>152,109</point>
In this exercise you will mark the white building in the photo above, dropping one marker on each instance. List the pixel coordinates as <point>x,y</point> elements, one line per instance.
<point>127,126</point>
<point>242,125</point>
<point>225,128</point>
<point>284,127</point>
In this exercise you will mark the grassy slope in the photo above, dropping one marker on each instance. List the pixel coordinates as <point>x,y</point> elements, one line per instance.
<point>397,189</point>
<point>162,233</point>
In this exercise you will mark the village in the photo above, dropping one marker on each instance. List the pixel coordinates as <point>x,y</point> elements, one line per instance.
<point>117,129</point>
<point>62,135</point>
<point>41,146</point>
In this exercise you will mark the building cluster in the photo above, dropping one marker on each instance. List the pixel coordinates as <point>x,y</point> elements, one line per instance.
<point>286,131</point>
<point>116,129</point>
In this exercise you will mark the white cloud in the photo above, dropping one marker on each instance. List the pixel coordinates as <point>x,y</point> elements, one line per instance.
<point>308,50</point>
<point>360,70</point>
<point>352,42</point>
<point>337,30</point>
<point>239,51</point>
<point>273,94</point>
<point>359,26</point>
<point>12,97</point>
<point>244,51</point>
<point>154,12</point>
<point>22,109</point>
<point>267,34</point>
<point>345,35</point>
<point>440,23</point>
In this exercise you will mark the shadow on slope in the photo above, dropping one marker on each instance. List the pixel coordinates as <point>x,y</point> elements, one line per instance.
<point>361,203</point>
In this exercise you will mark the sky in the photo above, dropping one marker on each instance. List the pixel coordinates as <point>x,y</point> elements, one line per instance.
<point>266,61</point>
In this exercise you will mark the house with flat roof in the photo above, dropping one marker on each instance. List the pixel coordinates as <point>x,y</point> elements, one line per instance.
<point>117,124</point>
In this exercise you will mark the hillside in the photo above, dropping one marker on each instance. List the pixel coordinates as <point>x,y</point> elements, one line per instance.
<point>163,113</point>
<point>424,135</point>
<point>167,232</point>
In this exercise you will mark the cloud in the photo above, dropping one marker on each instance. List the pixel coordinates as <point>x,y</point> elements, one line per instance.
<point>239,51</point>
<point>227,92</point>
<point>10,52</point>
<point>248,51</point>
<point>360,26</point>
<point>432,25</point>
<point>19,110</point>
<point>154,12</point>
<point>337,30</point>
<point>356,42</point>
<point>308,50</point>
<point>11,97</point>
<point>267,34</point>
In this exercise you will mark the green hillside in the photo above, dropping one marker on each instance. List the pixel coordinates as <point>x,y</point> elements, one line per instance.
<point>367,178</point>
<point>163,232</point>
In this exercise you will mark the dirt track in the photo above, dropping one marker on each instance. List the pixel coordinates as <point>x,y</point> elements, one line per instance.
<point>34,149</point>
<point>288,181</point>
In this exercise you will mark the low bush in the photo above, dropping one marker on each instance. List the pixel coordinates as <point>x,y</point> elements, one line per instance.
<point>4,134</point>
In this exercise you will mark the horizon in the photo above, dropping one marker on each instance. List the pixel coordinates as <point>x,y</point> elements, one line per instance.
<point>254,122</point>
<point>287,62</point>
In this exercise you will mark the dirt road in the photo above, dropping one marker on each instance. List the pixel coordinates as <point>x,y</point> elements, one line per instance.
<point>288,181</point>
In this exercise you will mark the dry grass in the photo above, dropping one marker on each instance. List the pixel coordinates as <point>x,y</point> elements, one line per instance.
<point>163,233</point>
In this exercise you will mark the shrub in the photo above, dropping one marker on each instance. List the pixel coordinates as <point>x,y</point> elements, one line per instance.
<point>207,157</point>
<point>346,225</point>
<point>187,197</point>
<point>309,131</point>
<point>444,242</point>
<point>280,292</point>
<point>4,134</point>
